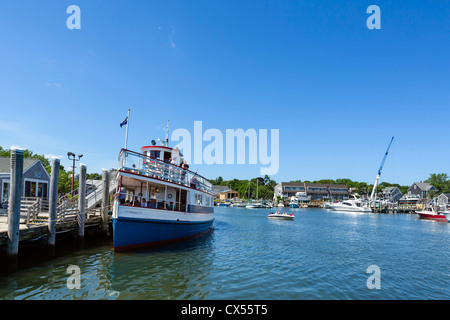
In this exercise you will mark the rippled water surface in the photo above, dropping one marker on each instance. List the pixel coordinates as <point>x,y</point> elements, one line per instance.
<point>319,255</point>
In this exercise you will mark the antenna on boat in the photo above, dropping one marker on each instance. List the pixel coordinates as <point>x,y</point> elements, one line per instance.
<point>167,134</point>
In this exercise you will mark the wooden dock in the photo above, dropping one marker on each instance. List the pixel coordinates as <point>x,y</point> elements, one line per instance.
<point>43,220</point>
<point>35,231</point>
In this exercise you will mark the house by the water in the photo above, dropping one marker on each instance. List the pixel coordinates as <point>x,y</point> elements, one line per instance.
<point>36,180</point>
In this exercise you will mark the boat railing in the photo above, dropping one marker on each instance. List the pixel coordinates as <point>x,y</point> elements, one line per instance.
<point>133,200</point>
<point>137,163</point>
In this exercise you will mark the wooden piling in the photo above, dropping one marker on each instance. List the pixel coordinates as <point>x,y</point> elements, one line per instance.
<point>15,194</point>
<point>81,202</point>
<point>53,198</point>
<point>105,200</point>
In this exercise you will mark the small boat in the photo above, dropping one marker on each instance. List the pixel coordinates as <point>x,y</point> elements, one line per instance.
<point>224,204</point>
<point>293,203</point>
<point>279,215</point>
<point>327,205</point>
<point>254,205</point>
<point>350,206</point>
<point>446,213</point>
<point>430,214</point>
<point>299,199</point>
<point>237,205</point>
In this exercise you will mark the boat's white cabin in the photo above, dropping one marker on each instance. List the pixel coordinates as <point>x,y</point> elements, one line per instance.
<point>158,179</point>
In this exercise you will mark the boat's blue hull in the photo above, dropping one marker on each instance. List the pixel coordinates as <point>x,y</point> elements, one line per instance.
<point>137,233</point>
<point>294,205</point>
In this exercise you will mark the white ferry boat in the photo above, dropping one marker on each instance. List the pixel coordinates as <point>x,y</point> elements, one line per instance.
<point>158,199</point>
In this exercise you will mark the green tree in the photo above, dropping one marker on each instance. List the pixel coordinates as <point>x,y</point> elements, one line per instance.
<point>440,181</point>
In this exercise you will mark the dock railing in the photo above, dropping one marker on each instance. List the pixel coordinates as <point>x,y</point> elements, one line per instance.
<point>137,163</point>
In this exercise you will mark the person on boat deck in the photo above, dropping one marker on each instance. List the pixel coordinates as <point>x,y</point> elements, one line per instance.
<point>183,165</point>
<point>144,203</point>
<point>122,195</point>
<point>193,182</point>
<point>136,202</point>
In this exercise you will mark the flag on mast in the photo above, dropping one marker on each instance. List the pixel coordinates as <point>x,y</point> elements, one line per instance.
<point>124,122</point>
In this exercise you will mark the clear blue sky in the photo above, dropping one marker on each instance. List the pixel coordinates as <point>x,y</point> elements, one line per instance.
<point>336,90</point>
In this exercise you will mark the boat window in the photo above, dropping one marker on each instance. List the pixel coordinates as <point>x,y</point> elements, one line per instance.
<point>346,203</point>
<point>155,154</point>
<point>167,156</point>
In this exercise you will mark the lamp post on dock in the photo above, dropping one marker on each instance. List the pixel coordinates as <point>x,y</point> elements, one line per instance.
<point>71,156</point>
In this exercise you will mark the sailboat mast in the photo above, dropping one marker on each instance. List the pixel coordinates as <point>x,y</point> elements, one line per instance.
<point>257,189</point>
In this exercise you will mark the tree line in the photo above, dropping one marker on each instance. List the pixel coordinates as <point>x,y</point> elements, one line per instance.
<point>247,188</point>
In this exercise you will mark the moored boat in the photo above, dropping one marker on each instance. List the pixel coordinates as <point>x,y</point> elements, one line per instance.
<point>238,204</point>
<point>350,206</point>
<point>253,205</point>
<point>430,214</point>
<point>158,199</point>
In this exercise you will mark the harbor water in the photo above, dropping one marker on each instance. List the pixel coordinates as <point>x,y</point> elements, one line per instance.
<point>321,254</point>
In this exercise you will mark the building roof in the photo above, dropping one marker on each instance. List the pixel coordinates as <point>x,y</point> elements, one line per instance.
<point>5,164</point>
<point>424,186</point>
<point>310,184</point>
<point>219,189</point>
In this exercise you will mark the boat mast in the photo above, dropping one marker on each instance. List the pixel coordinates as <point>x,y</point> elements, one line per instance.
<point>167,134</point>
<point>372,196</point>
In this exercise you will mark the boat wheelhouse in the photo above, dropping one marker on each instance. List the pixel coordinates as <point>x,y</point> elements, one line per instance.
<point>158,199</point>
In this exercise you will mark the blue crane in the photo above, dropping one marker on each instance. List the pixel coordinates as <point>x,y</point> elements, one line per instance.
<point>379,172</point>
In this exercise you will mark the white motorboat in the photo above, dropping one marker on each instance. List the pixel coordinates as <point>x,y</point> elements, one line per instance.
<point>327,205</point>
<point>446,213</point>
<point>237,204</point>
<point>351,206</point>
<point>254,205</point>
<point>283,216</point>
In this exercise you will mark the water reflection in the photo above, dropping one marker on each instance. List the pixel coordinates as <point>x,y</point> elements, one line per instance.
<point>174,272</point>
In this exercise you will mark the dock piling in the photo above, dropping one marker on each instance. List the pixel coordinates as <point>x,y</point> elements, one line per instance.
<point>81,202</point>
<point>53,198</point>
<point>105,200</point>
<point>15,196</point>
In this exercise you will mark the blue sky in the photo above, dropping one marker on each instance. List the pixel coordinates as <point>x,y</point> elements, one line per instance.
<point>336,90</point>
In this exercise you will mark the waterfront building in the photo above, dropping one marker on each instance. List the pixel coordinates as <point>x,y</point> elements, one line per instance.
<point>421,189</point>
<point>392,194</point>
<point>317,191</point>
<point>36,180</point>
<point>224,193</point>
<point>443,199</point>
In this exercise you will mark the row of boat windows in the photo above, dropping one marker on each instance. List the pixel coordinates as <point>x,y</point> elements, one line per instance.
<point>201,199</point>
